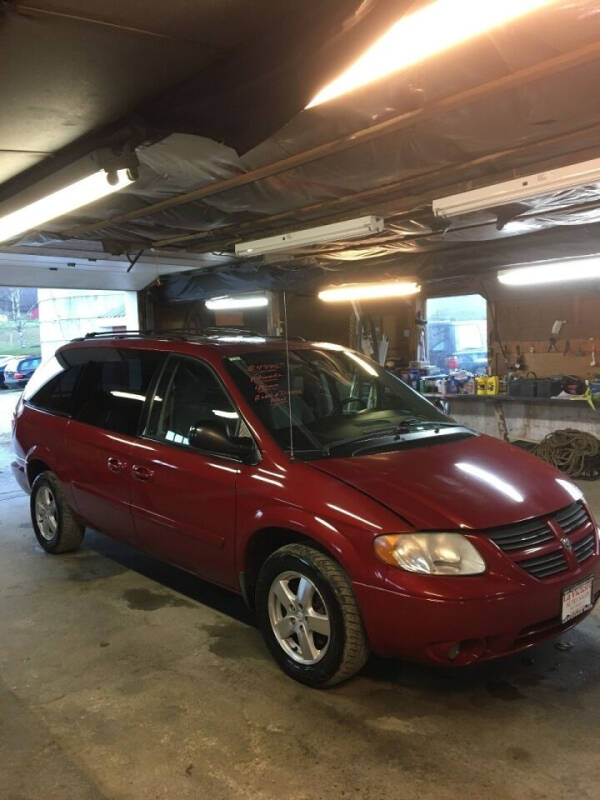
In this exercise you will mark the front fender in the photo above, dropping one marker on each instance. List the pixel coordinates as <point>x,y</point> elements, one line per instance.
<point>358,561</point>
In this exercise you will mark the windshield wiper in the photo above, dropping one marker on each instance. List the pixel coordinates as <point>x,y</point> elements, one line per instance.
<point>404,426</point>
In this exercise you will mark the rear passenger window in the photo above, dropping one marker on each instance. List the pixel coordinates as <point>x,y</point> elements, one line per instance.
<point>58,394</point>
<point>113,389</point>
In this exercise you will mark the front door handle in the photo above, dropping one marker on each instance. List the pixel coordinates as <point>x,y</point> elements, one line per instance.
<point>142,473</point>
<point>116,464</point>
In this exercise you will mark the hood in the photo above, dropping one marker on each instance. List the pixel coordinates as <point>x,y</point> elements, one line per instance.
<point>473,483</point>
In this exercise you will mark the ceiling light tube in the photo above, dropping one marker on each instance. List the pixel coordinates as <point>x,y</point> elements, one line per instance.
<point>56,204</point>
<point>369,291</point>
<point>518,189</point>
<point>577,269</point>
<point>430,30</point>
<point>240,302</point>
<point>349,229</point>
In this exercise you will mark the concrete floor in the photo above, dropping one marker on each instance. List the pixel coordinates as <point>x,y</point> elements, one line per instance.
<point>124,678</point>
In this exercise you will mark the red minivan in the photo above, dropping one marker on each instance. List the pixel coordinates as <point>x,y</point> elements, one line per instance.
<point>346,509</point>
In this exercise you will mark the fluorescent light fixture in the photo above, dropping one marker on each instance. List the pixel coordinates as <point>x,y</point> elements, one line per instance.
<point>349,229</point>
<point>577,269</point>
<point>430,30</point>
<point>243,301</point>
<point>518,189</point>
<point>56,204</point>
<point>369,291</point>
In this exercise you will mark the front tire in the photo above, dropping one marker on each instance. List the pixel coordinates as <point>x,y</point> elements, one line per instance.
<point>55,526</point>
<point>309,616</point>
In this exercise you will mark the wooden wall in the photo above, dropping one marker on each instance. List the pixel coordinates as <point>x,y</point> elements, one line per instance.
<point>525,316</point>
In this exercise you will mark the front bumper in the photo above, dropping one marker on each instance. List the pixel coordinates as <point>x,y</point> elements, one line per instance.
<point>468,619</point>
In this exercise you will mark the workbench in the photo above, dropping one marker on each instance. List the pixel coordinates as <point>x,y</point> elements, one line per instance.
<point>529,418</point>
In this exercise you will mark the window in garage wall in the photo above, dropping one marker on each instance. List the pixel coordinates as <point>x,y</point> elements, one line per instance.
<point>457,332</point>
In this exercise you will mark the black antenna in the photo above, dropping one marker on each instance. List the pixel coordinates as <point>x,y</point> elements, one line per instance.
<point>287,369</point>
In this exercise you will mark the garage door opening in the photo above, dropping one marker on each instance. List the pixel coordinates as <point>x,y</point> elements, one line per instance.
<point>66,314</point>
<point>457,333</point>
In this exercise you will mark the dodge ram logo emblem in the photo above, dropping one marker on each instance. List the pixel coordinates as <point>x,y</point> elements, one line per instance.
<point>566,543</point>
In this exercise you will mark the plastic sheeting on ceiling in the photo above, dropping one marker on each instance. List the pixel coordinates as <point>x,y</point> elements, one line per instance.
<point>566,102</point>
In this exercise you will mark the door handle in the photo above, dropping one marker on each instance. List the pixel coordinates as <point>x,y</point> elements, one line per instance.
<point>115,464</point>
<point>142,473</point>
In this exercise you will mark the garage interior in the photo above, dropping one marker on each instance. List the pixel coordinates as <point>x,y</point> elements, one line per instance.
<point>123,677</point>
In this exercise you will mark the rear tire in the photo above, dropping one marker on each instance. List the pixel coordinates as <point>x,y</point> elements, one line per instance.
<point>309,616</point>
<point>54,523</point>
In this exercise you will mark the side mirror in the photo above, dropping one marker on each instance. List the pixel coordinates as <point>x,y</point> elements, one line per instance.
<point>205,437</point>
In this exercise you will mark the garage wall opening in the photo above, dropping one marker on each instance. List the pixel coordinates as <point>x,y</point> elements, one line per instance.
<point>66,314</point>
<point>457,333</point>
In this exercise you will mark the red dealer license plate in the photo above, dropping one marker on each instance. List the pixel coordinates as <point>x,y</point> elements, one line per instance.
<point>576,600</point>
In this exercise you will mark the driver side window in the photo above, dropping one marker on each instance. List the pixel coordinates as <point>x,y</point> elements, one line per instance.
<point>189,395</point>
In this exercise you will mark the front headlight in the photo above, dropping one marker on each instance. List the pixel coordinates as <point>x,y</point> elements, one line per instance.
<point>430,553</point>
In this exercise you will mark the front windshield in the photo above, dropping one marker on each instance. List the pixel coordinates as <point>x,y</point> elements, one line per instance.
<point>336,395</point>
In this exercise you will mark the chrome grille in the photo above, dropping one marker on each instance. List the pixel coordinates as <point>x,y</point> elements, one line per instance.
<point>572,518</point>
<point>546,565</point>
<point>585,547</point>
<point>534,532</point>
<point>522,535</point>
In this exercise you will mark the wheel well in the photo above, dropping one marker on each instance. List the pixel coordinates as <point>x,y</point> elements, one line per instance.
<point>260,547</point>
<point>34,468</point>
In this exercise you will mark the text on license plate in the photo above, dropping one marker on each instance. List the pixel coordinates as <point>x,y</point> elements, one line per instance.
<point>576,600</point>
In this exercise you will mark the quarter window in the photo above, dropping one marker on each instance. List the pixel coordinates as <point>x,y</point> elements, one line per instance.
<point>58,394</point>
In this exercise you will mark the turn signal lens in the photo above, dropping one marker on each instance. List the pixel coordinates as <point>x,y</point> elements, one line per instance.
<point>430,553</point>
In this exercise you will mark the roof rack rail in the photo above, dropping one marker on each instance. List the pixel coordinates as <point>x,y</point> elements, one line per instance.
<point>130,334</point>
<point>172,333</point>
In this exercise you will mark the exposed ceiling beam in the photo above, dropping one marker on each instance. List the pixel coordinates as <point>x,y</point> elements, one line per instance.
<point>410,119</point>
<point>451,174</point>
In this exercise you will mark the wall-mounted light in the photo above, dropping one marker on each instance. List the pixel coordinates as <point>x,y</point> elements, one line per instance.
<point>369,291</point>
<point>237,303</point>
<point>430,30</point>
<point>576,269</point>
<point>68,189</point>
<point>337,231</point>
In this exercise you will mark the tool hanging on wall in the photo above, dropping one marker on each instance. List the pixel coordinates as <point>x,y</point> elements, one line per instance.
<point>593,361</point>
<point>520,360</point>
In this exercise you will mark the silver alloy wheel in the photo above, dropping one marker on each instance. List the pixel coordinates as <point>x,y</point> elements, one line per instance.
<point>299,617</point>
<point>46,513</point>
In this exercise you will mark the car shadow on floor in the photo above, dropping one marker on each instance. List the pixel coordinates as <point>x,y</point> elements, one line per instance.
<point>566,663</point>
<point>172,577</point>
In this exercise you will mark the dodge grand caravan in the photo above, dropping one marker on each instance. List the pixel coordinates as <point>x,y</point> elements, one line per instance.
<point>372,522</point>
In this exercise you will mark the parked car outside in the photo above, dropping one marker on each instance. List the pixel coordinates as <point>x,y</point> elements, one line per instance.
<point>3,362</point>
<point>372,522</point>
<point>17,371</point>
